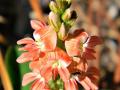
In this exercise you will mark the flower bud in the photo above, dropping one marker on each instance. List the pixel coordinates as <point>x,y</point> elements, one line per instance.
<point>62,32</point>
<point>69,15</point>
<point>53,7</point>
<point>54,21</point>
<point>63,4</point>
<point>66,15</point>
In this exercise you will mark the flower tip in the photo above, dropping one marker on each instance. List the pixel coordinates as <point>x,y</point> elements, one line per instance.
<point>19,61</point>
<point>23,84</point>
<point>36,24</point>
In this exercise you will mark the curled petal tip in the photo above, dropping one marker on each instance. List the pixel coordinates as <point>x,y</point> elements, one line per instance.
<point>36,24</point>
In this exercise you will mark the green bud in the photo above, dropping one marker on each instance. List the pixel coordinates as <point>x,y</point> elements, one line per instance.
<point>54,21</point>
<point>53,7</point>
<point>69,15</point>
<point>63,4</point>
<point>66,3</point>
<point>66,15</point>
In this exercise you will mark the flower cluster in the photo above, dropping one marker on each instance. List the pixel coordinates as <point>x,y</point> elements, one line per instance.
<point>57,55</point>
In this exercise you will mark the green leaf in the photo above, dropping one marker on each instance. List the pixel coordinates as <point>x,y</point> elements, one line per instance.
<point>16,70</point>
<point>12,67</point>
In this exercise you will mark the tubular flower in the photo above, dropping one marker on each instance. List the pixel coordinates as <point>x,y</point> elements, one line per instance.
<point>80,72</point>
<point>37,48</point>
<point>55,62</point>
<point>82,45</point>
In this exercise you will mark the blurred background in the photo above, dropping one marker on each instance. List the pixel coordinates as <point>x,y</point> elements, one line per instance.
<point>97,17</point>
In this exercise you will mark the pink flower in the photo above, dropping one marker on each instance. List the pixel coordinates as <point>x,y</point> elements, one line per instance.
<point>39,81</point>
<point>55,62</point>
<point>80,72</point>
<point>80,44</point>
<point>45,40</point>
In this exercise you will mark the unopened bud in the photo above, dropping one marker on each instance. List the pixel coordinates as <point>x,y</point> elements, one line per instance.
<point>54,21</point>
<point>62,32</point>
<point>69,15</point>
<point>66,15</point>
<point>53,7</point>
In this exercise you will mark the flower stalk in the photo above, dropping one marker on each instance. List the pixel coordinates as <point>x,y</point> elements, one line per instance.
<point>57,58</point>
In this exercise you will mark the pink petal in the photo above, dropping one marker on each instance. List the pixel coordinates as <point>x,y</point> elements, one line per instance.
<point>25,57</point>
<point>82,66</point>
<point>52,55</point>
<point>72,47</point>
<point>63,57</point>
<point>70,85</point>
<point>64,73</point>
<point>36,25</point>
<point>38,85</point>
<point>86,87</point>
<point>25,41</point>
<point>35,65</point>
<point>28,47</point>
<point>46,72</point>
<point>90,84</point>
<point>83,83</point>
<point>82,37</point>
<point>38,64</point>
<point>48,36</point>
<point>59,54</point>
<point>29,77</point>
<point>55,73</point>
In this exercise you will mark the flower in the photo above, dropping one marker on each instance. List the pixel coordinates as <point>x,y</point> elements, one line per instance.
<point>45,40</point>
<point>82,45</point>
<point>55,62</point>
<point>88,79</point>
<point>80,72</point>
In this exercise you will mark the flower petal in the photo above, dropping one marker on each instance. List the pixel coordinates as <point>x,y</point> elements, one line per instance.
<point>93,71</point>
<point>59,54</point>
<point>93,41</point>
<point>25,41</point>
<point>70,85</point>
<point>24,57</point>
<point>48,37</point>
<point>83,83</point>
<point>38,85</point>
<point>29,77</point>
<point>72,47</point>
<point>90,84</point>
<point>63,57</point>
<point>55,73</point>
<point>36,25</point>
<point>64,73</point>
<point>35,65</point>
<point>88,56</point>
<point>46,72</point>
